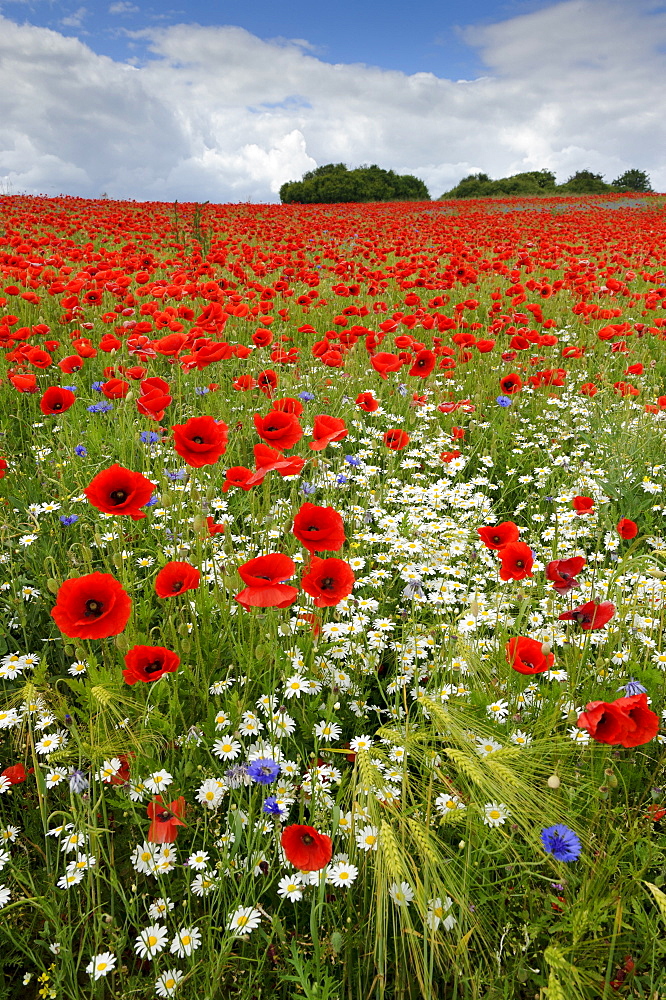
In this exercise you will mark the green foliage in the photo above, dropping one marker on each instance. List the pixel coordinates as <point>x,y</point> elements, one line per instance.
<point>585,182</point>
<point>333,183</point>
<point>528,184</point>
<point>633,180</point>
<point>534,183</point>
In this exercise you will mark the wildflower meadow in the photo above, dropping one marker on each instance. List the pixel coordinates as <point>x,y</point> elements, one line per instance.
<point>332,594</point>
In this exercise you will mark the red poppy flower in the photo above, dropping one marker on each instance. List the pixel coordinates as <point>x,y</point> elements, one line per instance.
<point>527,656</point>
<point>517,561</point>
<point>213,528</point>
<point>582,505</point>
<point>56,400</point>
<point>115,388</point>
<point>319,529</point>
<point>264,577</point>
<point>499,535</point>
<point>281,430</point>
<point>244,383</point>
<point>91,607</point>
<point>39,358</point>
<point>395,439</point>
<point>153,403</point>
<point>627,528</point>
<point>15,774</point>
<point>563,572</point>
<point>165,820</point>
<point>328,581</point>
<point>24,382</point>
<point>588,389</point>
<point>176,578</point>
<point>117,490</point>
<point>306,848</point>
<point>4,465</point>
<point>590,616</point>
<point>424,362</point>
<point>149,663</point>
<point>154,383</point>
<point>288,405</point>
<point>267,381</point>
<point>267,459</point>
<point>366,401</point>
<point>238,476</point>
<point>121,777</point>
<point>625,722</point>
<point>71,364</point>
<point>385,362</point>
<point>327,429</point>
<point>448,456</point>
<point>200,441</point>
<point>262,338</point>
<point>510,384</point>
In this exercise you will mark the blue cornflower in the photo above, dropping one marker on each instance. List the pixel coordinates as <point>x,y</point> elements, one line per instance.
<point>236,775</point>
<point>413,589</point>
<point>72,388</point>
<point>149,437</point>
<point>307,489</point>
<point>352,460</point>
<point>561,842</point>
<point>100,408</point>
<point>272,806</point>
<point>402,389</point>
<point>307,397</point>
<point>78,782</point>
<point>503,401</point>
<point>632,688</point>
<point>154,500</point>
<point>176,475</point>
<point>80,451</point>
<point>97,386</point>
<point>68,519</point>
<point>202,390</point>
<point>341,480</point>
<point>264,770</point>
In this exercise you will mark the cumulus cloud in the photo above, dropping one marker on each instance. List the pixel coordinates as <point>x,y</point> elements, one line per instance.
<point>219,114</point>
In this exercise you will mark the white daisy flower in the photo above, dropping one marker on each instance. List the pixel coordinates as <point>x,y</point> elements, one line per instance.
<point>100,965</point>
<point>158,780</point>
<point>167,984</point>
<point>151,941</point>
<point>437,911</point>
<point>341,874</point>
<point>187,940</point>
<point>290,887</point>
<point>244,920</point>
<point>401,893</point>
<point>495,813</point>
<point>366,838</point>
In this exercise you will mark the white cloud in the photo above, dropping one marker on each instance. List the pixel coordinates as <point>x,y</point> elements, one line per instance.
<point>219,114</point>
<point>123,7</point>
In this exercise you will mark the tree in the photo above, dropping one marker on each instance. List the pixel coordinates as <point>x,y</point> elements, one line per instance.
<point>333,182</point>
<point>528,184</point>
<point>633,180</point>
<point>585,182</point>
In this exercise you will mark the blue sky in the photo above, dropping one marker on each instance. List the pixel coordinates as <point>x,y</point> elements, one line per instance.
<point>377,33</point>
<point>227,101</point>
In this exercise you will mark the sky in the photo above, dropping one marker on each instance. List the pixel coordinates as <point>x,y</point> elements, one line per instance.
<point>224,102</point>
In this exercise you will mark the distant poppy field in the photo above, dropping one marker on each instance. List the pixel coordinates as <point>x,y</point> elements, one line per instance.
<point>332,600</point>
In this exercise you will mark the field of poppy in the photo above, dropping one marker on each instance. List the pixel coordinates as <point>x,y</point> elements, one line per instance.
<point>332,593</point>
